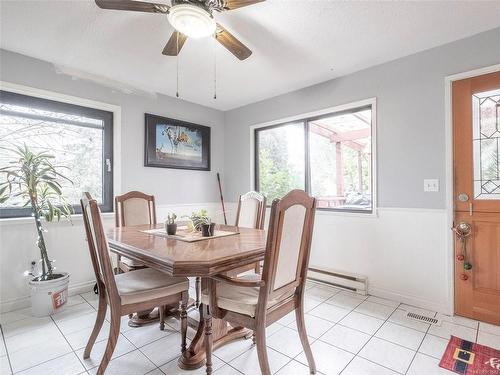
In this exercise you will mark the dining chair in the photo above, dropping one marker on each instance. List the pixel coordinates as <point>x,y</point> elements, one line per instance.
<point>250,213</point>
<point>255,303</point>
<point>127,292</point>
<point>133,208</point>
<point>251,210</point>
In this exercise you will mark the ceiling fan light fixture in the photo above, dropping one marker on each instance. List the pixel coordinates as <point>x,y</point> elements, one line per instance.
<point>192,21</point>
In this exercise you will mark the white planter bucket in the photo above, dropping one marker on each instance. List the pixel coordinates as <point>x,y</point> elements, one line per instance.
<point>48,297</point>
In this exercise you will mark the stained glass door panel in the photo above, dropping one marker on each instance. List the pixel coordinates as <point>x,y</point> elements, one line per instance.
<point>486,144</point>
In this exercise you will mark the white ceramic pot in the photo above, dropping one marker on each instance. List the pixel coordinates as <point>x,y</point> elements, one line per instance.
<point>48,297</point>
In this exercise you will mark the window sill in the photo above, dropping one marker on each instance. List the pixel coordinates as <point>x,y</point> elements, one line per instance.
<point>328,212</point>
<point>29,220</point>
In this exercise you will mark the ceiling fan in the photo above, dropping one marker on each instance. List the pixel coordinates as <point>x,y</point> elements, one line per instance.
<point>190,18</point>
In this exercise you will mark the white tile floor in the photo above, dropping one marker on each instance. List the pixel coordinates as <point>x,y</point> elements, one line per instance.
<point>350,335</point>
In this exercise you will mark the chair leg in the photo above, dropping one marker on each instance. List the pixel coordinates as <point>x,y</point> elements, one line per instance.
<point>161,311</point>
<point>208,339</point>
<point>184,323</point>
<point>112,340</point>
<point>301,327</point>
<point>260,341</point>
<point>99,320</point>
<point>197,286</point>
<point>257,268</point>
<point>118,260</point>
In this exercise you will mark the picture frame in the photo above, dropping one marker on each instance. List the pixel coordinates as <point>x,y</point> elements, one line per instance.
<point>171,143</point>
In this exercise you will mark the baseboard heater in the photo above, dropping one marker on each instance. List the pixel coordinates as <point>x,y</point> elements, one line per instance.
<point>355,283</point>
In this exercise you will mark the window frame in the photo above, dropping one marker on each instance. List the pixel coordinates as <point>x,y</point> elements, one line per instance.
<point>52,102</point>
<point>306,118</point>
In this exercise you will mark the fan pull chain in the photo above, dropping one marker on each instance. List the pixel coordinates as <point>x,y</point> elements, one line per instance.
<point>177,61</point>
<point>215,64</point>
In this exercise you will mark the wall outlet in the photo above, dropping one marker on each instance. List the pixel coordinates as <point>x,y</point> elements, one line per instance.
<point>431,185</point>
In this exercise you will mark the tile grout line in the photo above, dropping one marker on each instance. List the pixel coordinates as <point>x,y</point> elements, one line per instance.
<point>426,333</point>
<point>138,348</point>
<point>380,338</point>
<point>48,360</point>
<point>173,359</point>
<point>282,367</point>
<point>63,335</point>
<point>43,362</point>
<point>282,326</point>
<point>417,351</point>
<point>373,335</point>
<point>366,343</point>
<point>120,334</point>
<point>6,349</point>
<point>149,359</point>
<point>365,314</point>
<point>150,372</point>
<point>319,338</point>
<point>234,368</point>
<point>357,330</point>
<point>126,338</point>
<point>121,355</point>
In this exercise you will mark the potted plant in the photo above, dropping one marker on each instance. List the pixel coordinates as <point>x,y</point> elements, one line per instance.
<point>207,227</point>
<point>32,177</point>
<point>170,224</point>
<point>197,218</point>
<point>202,222</point>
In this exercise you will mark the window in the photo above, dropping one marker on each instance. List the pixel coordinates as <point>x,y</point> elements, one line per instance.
<point>329,156</point>
<point>80,138</point>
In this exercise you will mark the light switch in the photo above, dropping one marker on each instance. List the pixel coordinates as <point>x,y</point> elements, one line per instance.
<point>431,185</point>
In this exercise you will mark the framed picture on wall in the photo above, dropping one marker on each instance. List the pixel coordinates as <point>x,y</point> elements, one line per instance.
<point>171,143</point>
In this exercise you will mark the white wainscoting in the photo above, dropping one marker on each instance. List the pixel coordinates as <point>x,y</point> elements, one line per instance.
<point>67,246</point>
<point>402,252</point>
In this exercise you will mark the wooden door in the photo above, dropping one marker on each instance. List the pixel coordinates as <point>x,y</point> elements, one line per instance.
<point>476,149</point>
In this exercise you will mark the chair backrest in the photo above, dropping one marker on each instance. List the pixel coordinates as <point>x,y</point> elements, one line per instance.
<point>251,210</point>
<point>288,243</point>
<point>98,246</point>
<point>134,208</point>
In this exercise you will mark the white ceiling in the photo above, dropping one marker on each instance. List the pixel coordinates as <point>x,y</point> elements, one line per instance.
<point>295,43</point>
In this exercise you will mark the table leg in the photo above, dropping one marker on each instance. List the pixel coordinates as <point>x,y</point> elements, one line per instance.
<point>194,356</point>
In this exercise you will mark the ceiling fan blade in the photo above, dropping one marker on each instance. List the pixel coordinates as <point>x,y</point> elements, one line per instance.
<point>232,44</point>
<point>136,6</point>
<point>174,44</point>
<point>235,4</point>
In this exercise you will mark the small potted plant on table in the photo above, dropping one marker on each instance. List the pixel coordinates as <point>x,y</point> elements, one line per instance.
<point>171,225</point>
<point>207,227</point>
<point>202,222</point>
<point>33,177</point>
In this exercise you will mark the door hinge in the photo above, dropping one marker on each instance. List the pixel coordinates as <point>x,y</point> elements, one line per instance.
<point>108,164</point>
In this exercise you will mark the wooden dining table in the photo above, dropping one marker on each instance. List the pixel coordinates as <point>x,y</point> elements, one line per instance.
<point>203,259</point>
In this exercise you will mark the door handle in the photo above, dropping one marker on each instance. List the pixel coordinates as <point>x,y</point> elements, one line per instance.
<point>463,229</point>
